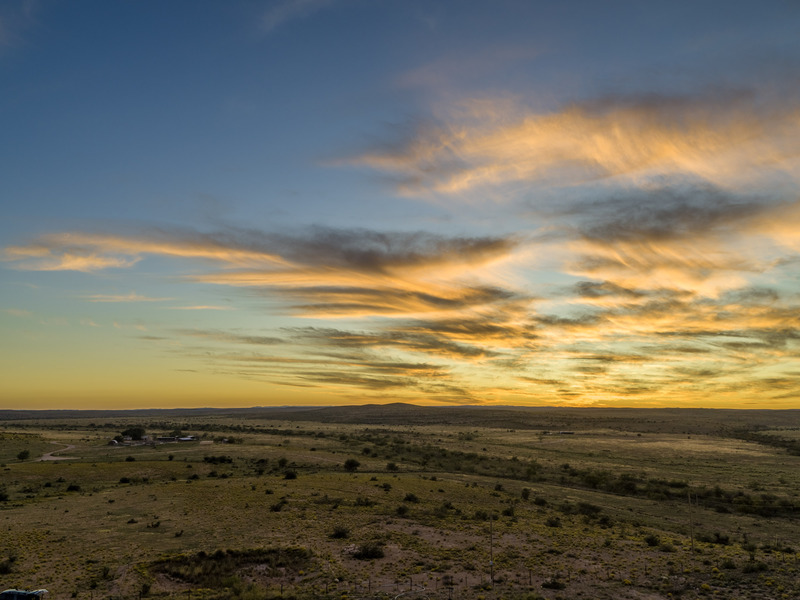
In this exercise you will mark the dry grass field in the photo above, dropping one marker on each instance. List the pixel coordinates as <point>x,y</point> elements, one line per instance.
<point>403,502</point>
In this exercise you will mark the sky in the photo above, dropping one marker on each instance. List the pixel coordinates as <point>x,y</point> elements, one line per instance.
<point>322,202</point>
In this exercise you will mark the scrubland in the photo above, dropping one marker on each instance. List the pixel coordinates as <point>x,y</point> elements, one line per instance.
<point>403,502</point>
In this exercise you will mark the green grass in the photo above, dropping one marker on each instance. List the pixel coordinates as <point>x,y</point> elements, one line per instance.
<point>12,443</point>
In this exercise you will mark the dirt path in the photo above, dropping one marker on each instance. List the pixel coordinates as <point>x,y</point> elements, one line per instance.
<point>51,455</point>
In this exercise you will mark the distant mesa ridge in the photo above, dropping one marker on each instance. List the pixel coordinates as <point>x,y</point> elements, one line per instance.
<point>549,418</point>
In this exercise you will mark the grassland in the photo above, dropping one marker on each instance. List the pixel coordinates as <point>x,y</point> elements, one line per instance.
<point>381,502</point>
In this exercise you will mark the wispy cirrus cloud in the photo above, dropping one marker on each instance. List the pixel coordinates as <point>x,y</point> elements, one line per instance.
<point>647,312</point>
<point>81,251</point>
<point>228,336</point>
<point>201,307</point>
<point>40,257</point>
<point>130,297</point>
<point>290,10</point>
<point>398,338</point>
<point>692,241</point>
<point>467,67</point>
<point>724,136</point>
<point>15,19</point>
<point>320,271</point>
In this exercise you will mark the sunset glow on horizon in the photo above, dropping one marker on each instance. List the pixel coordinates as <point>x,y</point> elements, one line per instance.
<point>319,202</point>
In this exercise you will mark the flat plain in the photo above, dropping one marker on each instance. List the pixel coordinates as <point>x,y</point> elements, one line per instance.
<point>402,501</point>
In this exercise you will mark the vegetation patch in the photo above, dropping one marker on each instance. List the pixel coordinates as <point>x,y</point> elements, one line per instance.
<point>216,570</point>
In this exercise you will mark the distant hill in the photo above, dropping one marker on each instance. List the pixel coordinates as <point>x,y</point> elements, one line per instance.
<point>666,420</point>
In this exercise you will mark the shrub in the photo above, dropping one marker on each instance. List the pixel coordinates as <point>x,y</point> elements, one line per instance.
<point>411,498</point>
<point>290,474</point>
<point>590,510</point>
<point>129,459</point>
<point>754,567</point>
<point>340,532</point>
<point>605,521</point>
<point>369,551</point>
<point>24,455</point>
<point>391,466</point>
<point>218,569</point>
<point>553,584</point>
<point>553,522</point>
<point>652,540</point>
<point>351,465</point>
<point>5,566</point>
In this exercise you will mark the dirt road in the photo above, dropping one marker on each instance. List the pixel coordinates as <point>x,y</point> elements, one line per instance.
<point>52,455</point>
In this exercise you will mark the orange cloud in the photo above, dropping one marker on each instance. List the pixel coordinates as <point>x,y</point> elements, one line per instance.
<point>723,139</point>
<point>322,272</point>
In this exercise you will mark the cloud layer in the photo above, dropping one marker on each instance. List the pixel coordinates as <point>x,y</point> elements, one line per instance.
<point>721,136</point>
<point>659,305</point>
<point>668,277</point>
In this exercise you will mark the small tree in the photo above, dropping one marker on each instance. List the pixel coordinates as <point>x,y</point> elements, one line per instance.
<point>24,455</point>
<point>351,465</point>
<point>135,433</point>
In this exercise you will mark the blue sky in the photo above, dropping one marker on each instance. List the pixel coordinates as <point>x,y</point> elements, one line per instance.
<point>345,201</point>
